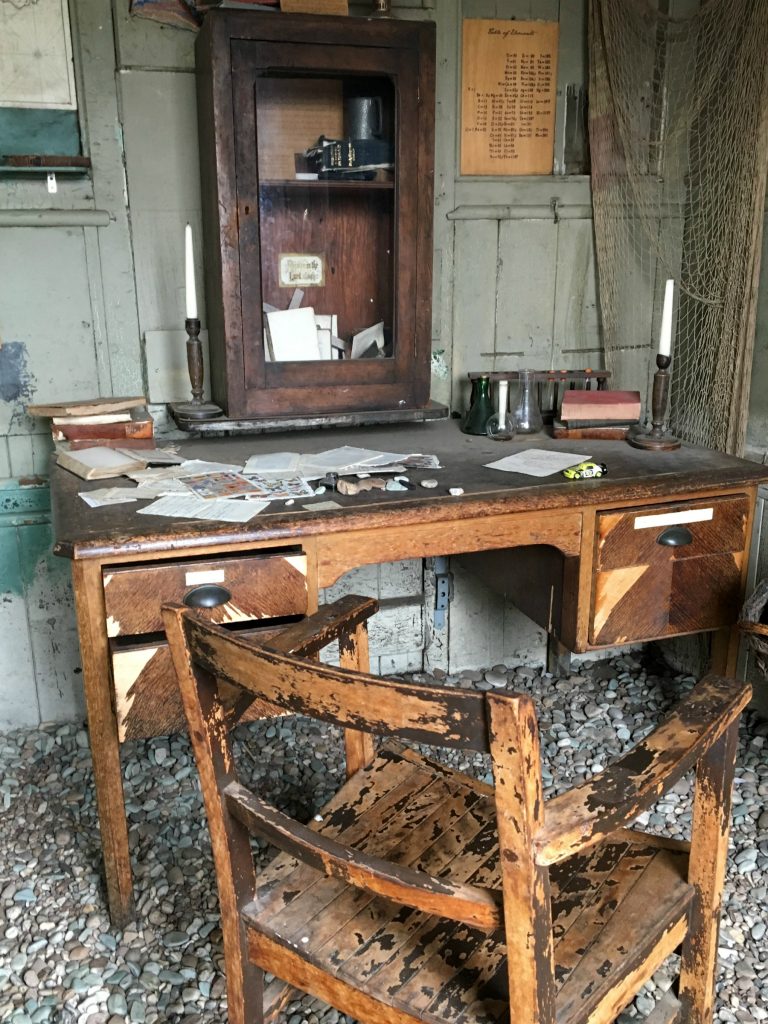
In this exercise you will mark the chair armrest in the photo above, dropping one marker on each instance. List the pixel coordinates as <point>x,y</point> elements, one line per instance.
<point>474,906</point>
<point>305,638</point>
<point>585,815</point>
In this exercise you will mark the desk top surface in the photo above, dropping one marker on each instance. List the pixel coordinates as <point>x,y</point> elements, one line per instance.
<point>634,476</point>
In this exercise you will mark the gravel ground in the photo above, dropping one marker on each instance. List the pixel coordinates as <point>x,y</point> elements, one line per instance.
<point>60,961</point>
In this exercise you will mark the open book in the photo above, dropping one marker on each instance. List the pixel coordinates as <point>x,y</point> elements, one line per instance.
<point>99,463</point>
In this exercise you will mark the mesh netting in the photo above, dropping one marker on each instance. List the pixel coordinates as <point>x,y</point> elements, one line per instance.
<point>679,141</point>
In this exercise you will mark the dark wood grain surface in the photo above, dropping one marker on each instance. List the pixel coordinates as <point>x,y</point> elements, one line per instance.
<point>634,477</point>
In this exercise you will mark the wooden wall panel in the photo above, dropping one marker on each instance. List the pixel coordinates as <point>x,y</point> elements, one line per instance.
<point>474,297</point>
<point>163,191</point>
<point>397,630</point>
<point>576,341</point>
<point>525,293</point>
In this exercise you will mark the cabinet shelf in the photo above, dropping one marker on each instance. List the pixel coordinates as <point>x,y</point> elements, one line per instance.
<point>329,186</point>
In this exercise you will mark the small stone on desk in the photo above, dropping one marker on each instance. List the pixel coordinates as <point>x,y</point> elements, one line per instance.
<point>429,483</point>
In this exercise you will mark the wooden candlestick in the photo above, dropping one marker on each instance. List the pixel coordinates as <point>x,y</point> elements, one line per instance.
<point>657,439</point>
<point>197,409</point>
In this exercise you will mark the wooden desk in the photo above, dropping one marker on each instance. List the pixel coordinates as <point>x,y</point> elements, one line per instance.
<point>573,555</point>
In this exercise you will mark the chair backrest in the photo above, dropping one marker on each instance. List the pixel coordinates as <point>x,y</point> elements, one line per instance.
<point>424,714</point>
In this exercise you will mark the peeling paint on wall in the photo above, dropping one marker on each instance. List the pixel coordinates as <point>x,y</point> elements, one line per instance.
<point>17,384</point>
<point>25,536</point>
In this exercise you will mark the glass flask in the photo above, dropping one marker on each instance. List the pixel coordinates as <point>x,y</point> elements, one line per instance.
<point>480,408</point>
<point>528,413</point>
<point>501,426</point>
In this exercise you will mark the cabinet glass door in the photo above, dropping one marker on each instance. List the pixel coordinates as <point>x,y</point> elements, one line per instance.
<point>327,224</point>
<point>326,174</point>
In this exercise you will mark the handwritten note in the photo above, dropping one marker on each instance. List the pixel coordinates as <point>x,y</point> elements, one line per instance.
<point>509,83</point>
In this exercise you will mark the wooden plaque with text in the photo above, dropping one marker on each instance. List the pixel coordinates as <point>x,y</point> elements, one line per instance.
<point>508,90</point>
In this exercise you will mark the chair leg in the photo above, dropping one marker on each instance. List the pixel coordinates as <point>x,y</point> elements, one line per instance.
<point>252,997</point>
<point>353,654</point>
<point>709,851</point>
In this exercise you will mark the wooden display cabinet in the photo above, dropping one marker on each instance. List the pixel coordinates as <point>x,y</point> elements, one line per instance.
<point>357,242</point>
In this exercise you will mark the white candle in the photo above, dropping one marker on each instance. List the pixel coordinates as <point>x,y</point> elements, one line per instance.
<point>665,336</point>
<point>502,392</point>
<point>189,264</point>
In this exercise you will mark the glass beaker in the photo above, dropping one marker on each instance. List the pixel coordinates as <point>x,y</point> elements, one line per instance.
<point>528,413</point>
<point>481,407</point>
<point>501,426</point>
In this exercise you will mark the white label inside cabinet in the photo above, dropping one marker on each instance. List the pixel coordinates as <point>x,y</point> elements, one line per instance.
<point>694,515</point>
<point>301,270</point>
<point>204,576</point>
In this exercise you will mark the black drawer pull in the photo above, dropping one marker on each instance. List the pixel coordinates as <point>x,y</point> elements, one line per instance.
<point>207,596</point>
<point>675,537</point>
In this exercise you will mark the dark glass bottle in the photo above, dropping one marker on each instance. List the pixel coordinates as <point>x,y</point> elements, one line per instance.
<point>480,408</point>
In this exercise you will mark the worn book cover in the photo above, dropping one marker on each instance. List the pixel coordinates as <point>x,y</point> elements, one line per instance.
<point>136,423</point>
<point>592,406</point>
<point>98,463</point>
<point>86,407</point>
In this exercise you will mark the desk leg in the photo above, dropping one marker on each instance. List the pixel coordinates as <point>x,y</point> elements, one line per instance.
<point>725,652</point>
<point>105,747</point>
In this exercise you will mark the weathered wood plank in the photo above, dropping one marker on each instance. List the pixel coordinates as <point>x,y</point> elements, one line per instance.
<point>516,758</point>
<point>421,713</point>
<point>709,851</point>
<point>416,889</point>
<point>586,814</point>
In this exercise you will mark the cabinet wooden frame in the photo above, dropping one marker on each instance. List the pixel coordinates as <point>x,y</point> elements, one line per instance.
<point>233,50</point>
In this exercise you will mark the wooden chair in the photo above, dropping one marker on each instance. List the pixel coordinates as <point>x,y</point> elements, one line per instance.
<point>421,894</point>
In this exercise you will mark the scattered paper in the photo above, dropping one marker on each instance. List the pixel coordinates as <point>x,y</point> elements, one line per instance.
<point>275,488</point>
<point>322,506</point>
<point>190,507</point>
<point>196,467</point>
<point>221,485</point>
<point>158,488</point>
<point>146,476</point>
<point>275,462</point>
<point>109,496</point>
<point>153,456</point>
<point>537,462</point>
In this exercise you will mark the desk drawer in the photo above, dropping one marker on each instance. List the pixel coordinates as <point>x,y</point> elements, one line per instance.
<point>666,570</point>
<point>250,587</point>
<point>147,699</point>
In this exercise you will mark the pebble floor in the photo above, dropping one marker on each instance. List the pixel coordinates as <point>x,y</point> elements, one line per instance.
<point>60,961</point>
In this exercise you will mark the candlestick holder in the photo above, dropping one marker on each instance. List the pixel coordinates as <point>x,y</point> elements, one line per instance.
<point>197,409</point>
<point>657,439</point>
<point>381,9</point>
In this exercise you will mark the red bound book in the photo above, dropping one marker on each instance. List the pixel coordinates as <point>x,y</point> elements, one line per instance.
<point>600,406</point>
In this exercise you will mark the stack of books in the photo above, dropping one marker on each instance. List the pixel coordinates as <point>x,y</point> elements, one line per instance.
<point>107,421</point>
<point>606,415</point>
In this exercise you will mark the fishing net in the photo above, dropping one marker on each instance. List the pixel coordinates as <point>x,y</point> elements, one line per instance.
<point>679,141</point>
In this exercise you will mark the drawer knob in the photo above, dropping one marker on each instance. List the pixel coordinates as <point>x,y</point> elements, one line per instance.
<point>209,595</point>
<point>675,537</point>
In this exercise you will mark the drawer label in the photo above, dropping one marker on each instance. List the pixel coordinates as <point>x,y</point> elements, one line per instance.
<point>693,515</point>
<point>204,576</point>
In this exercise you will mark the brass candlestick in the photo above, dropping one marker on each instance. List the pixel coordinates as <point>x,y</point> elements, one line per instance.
<point>197,409</point>
<point>657,439</point>
<point>381,9</point>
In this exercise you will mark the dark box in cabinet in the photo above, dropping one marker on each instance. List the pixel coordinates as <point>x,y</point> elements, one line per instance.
<point>269,86</point>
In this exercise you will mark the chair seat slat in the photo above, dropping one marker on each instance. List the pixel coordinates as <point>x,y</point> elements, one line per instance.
<point>444,971</point>
<point>378,875</point>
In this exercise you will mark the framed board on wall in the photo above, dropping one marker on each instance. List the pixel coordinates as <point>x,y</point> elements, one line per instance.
<point>38,103</point>
<point>508,95</point>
